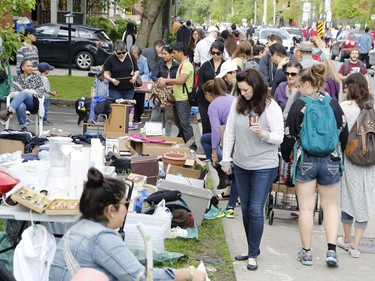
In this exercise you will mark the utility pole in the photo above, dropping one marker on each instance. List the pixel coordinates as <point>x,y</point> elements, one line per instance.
<point>255,12</point>
<point>274,12</point>
<point>265,13</point>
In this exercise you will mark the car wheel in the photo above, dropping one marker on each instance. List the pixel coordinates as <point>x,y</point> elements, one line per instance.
<point>333,57</point>
<point>84,60</point>
<point>341,58</point>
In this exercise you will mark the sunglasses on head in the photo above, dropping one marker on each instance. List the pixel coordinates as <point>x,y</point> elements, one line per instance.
<point>293,74</point>
<point>120,53</point>
<point>218,53</point>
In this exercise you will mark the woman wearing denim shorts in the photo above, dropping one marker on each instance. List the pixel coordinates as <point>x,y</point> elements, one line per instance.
<point>321,172</point>
<point>253,132</point>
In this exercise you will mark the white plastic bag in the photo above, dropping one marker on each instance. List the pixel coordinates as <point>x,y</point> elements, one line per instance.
<point>163,211</point>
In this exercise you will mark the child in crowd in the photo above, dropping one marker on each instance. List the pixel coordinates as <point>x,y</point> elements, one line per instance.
<point>44,68</point>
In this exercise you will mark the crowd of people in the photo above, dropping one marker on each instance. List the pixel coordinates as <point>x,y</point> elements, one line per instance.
<point>261,95</point>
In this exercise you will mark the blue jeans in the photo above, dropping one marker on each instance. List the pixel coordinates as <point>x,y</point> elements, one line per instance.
<point>121,94</point>
<point>20,104</point>
<point>207,146</point>
<point>348,219</point>
<point>46,107</point>
<point>253,187</point>
<point>181,111</point>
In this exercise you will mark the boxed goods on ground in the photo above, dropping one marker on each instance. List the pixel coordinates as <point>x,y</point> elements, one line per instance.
<point>9,146</point>
<point>196,198</point>
<point>147,166</point>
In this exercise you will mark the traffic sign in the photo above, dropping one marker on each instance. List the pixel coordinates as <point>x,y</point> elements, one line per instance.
<point>320,28</point>
<point>306,7</point>
<point>305,16</point>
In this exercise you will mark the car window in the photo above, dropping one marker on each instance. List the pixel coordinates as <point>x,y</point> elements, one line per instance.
<point>102,35</point>
<point>46,31</point>
<point>64,32</point>
<point>84,33</point>
<point>282,33</point>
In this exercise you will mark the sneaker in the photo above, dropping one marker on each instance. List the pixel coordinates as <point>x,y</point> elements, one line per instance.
<point>305,257</point>
<point>177,232</point>
<point>229,213</point>
<point>332,258</point>
<point>47,123</point>
<point>354,252</point>
<point>342,244</point>
<point>133,127</point>
<point>214,213</point>
<point>137,122</point>
<point>24,129</point>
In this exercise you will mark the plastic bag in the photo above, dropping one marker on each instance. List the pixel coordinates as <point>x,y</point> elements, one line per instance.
<point>163,211</point>
<point>6,257</point>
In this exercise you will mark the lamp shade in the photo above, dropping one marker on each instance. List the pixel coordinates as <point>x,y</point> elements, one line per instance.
<point>69,18</point>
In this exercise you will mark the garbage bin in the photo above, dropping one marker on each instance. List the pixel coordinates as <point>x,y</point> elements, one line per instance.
<point>22,22</point>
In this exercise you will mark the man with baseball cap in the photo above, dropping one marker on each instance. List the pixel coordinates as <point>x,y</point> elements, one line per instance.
<point>202,50</point>
<point>28,50</point>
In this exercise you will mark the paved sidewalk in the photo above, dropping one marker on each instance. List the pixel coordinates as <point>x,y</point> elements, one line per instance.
<point>279,247</point>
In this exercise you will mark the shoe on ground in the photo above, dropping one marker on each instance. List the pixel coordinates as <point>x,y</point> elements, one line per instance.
<point>294,213</point>
<point>137,122</point>
<point>355,253</point>
<point>4,114</point>
<point>332,259</point>
<point>342,244</point>
<point>214,213</point>
<point>24,129</point>
<point>177,232</point>
<point>305,257</point>
<point>47,123</point>
<point>133,127</point>
<point>229,213</point>
<point>222,196</point>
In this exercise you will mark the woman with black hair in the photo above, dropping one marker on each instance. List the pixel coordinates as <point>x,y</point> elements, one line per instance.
<point>129,35</point>
<point>94,241</point>
<point>208,71</point>
<point>280,58</point>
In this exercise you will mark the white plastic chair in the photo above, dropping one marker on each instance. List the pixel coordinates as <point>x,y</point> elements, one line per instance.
<point>38,117</point>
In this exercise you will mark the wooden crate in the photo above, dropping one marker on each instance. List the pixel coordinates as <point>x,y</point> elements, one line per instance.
<point>63,207</point>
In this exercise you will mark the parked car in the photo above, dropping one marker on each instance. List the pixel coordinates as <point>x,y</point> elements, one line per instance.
<point>294,31</point>
<point>265,32</point>
<point>344,43</point>
<point>89,45</point>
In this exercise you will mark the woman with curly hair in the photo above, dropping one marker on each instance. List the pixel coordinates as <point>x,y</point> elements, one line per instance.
<point>357,184</point>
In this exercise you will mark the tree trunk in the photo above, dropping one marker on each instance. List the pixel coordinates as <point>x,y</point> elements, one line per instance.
<point>152,10</point>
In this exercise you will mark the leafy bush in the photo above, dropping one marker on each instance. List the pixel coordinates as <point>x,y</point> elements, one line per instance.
<point>114,32</point>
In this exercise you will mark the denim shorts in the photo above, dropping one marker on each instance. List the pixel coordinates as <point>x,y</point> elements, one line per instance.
<point>325,170</point>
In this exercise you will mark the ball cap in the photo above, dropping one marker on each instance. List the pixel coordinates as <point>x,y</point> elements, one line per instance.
<point>43,66</point>
<point>227,66</point>
<point>30,30</point>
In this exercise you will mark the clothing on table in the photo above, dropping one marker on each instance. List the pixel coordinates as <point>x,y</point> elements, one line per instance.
<point>23,53</point>
<point>33,256</point>
<point>357,183</point>
<point>95,246</point>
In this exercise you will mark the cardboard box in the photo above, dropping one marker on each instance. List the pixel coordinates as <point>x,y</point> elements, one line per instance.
<point>10,146</point>
<point>152,149</point>
<point>189,176</point>
<point>198,199</point>
<point>189,173</point>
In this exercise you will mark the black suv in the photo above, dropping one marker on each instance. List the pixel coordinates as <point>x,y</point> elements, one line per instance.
<point>89,45</point>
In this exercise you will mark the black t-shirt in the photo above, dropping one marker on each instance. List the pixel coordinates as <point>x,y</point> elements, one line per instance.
<point>121,71</point>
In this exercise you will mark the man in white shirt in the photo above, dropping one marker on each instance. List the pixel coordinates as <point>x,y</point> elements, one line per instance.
<point>202,50</point>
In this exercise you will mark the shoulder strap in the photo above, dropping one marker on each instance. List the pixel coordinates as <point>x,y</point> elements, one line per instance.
<point>362,66</point>
<point>346,67</point>
<point>131,60</point>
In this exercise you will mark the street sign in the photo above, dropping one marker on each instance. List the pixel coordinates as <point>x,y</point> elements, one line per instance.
<point>306,7</point>
<point>329,16</point>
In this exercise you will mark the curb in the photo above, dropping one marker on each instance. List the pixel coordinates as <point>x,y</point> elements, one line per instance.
<point>62,102</point>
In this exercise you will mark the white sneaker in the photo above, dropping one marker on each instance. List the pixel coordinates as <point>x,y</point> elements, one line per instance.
<point>342,244</point>
<point>177,232</point>
<point>354,252</point>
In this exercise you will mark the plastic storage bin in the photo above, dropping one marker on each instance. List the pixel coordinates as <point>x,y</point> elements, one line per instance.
<point>197,198</point>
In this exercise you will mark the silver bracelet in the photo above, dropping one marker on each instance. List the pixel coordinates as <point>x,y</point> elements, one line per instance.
<point>191,273</point>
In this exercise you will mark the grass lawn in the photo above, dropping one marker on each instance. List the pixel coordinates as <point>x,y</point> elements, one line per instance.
<point>71,87</point>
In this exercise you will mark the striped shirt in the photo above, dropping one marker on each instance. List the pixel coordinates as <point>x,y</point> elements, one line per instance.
<point>24,52</point>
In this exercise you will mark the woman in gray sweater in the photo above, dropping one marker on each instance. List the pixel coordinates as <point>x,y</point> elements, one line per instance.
<point>252,136</point>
